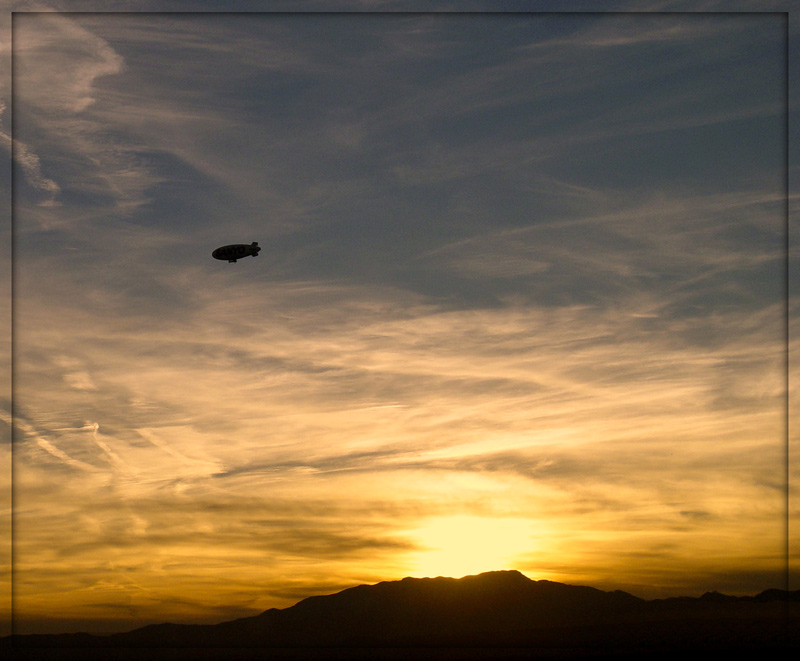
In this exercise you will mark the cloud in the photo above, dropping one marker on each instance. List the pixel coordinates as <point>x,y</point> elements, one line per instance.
<point>65,87</point>
<point>53,450</point>
<point>30,164</point>
<point>63,149</point>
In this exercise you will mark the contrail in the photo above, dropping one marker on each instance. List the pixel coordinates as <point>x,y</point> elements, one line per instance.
<point>48,447</point>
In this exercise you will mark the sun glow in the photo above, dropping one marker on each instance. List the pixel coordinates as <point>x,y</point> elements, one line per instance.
<point>460,545</point>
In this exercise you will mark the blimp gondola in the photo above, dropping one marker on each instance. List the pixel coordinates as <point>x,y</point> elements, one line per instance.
<point>236,251</point>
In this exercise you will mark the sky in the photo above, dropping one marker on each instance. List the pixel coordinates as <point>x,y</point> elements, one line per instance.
<point>521,304</point>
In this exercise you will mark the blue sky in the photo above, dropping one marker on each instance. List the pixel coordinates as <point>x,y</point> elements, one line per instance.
<point>520,304</point>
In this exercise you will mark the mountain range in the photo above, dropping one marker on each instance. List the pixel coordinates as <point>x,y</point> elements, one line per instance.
<point>500,614</point>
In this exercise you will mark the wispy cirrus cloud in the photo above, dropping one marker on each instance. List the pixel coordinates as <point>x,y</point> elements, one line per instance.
<point>58,66</point>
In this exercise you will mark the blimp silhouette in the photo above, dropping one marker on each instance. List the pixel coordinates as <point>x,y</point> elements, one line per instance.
<point>236,251</point>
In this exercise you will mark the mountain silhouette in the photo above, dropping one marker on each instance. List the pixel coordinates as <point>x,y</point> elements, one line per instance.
<point>495,615</point>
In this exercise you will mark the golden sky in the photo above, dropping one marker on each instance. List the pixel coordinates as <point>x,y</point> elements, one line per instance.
<point>520,304</point>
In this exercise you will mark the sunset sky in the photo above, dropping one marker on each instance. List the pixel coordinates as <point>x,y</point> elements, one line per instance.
<point>520,304</point>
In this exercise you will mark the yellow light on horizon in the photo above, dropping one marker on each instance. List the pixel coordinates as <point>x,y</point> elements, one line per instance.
<point>462,545</point>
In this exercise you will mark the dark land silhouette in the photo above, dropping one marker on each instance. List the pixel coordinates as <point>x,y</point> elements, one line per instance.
<point>488,616</point>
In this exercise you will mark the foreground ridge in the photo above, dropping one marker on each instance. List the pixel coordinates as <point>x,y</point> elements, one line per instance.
<point>490,611</point>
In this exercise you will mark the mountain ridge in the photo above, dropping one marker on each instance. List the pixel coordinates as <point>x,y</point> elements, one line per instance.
<point>492,610</point>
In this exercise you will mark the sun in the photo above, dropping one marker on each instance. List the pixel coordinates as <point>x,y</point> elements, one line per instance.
<point>461,545</point>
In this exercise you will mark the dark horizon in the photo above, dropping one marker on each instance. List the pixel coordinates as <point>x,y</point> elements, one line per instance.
<point>109,628</point>
<point>502,610</point>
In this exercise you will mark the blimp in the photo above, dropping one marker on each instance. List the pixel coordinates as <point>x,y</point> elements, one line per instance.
<point>236,251</point>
